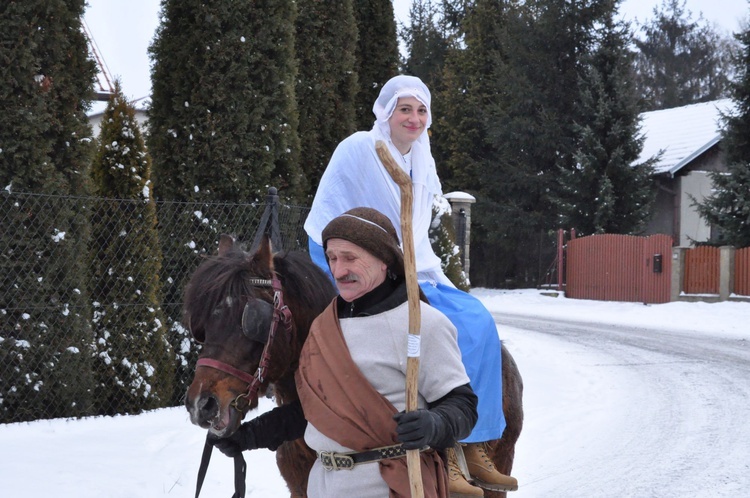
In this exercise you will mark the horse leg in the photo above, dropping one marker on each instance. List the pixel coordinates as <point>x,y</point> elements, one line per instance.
<point>295,459</point>
<point>502,451</point>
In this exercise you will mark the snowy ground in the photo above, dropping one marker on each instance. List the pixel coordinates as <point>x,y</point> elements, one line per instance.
<point>611,411</point>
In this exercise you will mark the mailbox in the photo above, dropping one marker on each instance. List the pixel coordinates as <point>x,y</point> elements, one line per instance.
<point>657,263</point>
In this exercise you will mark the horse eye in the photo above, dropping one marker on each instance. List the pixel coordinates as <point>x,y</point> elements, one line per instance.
<point>256,320</point>
<point>198,335</point>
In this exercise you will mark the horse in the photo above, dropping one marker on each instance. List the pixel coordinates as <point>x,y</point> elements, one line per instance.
<point>231,302</point>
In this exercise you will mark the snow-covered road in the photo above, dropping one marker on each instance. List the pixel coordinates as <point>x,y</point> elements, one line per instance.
<point>612,410</point>
<point>615,411</point>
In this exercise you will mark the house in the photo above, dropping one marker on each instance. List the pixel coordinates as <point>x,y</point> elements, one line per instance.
<point>689,140</point>
<point>96,113</point>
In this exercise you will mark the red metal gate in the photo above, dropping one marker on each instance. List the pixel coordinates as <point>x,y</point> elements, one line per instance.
<point>742,272</point>
<point>619,268</point>
<point>701,270</point>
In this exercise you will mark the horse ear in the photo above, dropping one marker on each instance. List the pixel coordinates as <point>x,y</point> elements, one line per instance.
<point>226,243</point>
<point>265,253</point>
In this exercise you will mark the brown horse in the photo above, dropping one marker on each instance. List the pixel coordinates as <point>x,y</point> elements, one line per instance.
<point>230,304</point>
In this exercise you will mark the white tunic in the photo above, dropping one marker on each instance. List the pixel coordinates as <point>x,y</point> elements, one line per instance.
<point>355,177</point>
<point>378,345</point>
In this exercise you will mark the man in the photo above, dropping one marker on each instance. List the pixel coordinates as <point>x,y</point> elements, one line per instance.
<point>352,374</point>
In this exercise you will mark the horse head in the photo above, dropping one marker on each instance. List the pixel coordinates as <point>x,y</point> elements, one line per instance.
<point>251,313</point>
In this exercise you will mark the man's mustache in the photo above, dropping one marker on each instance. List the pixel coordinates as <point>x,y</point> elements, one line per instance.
<point>348,279</point>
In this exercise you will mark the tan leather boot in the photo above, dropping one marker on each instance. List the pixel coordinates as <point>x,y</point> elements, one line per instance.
<point>458,486</point>
<point>483,471</point>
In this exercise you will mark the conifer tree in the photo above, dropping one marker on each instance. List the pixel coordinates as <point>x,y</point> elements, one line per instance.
<point>377,54</point>
<point>604,192</point>
<point>466,115</point>
<point>427,42</point>
<point>728,208</point>
<point>223,121</point>
<point>222,127</point>
<point>327,82</point>
<point>134,364</point>
<point>46,81</point>
<point>681,61</point>
<point>507,127</point>
<point>462,100</point>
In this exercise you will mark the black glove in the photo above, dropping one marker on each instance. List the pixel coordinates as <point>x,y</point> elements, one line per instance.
<point>419,428</point>
<point>243,439</point>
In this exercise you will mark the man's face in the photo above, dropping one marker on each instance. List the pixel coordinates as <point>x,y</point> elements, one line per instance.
<point>356,271</point>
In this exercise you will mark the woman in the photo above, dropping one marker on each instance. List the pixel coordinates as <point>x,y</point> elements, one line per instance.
<point>354,177</point>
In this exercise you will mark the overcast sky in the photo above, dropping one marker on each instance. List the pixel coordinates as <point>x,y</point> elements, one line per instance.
<point>123,30</point>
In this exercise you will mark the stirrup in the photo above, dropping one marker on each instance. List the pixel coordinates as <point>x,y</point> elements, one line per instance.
<point>458,450</point>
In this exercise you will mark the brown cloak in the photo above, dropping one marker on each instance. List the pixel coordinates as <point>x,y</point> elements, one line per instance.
<point>340,402</point>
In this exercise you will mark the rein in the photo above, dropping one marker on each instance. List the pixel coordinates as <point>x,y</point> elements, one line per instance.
<point>281,314</point>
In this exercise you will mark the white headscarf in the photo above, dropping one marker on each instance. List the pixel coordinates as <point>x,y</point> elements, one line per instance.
<point>397,87</point>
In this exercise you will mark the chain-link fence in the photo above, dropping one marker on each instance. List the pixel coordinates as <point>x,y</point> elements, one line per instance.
<point>91,291</point>
<point>511,263</point>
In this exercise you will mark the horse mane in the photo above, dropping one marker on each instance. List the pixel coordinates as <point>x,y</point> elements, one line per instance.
<point>217,279</point>
<point>306,286</point>
<point>307,292</point>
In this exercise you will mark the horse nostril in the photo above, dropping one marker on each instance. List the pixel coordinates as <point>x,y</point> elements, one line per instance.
<point>208,408</point>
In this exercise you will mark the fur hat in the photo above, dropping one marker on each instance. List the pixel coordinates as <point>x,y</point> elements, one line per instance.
<point>372,231</point>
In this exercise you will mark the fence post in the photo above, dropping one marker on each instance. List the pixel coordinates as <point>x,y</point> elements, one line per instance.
<point>560,258</point>
<point>269,223</point>
<point>461,216</point>
<point>726,272</point>
<point>678,271</point>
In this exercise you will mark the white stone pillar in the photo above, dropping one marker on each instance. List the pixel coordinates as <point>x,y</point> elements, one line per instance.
<point>726,272</point>
<point>678,270</point>
<point>461,216</point>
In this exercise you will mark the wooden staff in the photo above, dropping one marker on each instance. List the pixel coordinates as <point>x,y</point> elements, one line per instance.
<point>412,290</point>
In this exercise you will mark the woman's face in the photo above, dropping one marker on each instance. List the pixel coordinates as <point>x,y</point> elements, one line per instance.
<point>407,122</point>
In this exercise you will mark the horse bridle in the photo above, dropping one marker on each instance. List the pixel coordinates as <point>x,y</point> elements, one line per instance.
<point>281,314</point>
